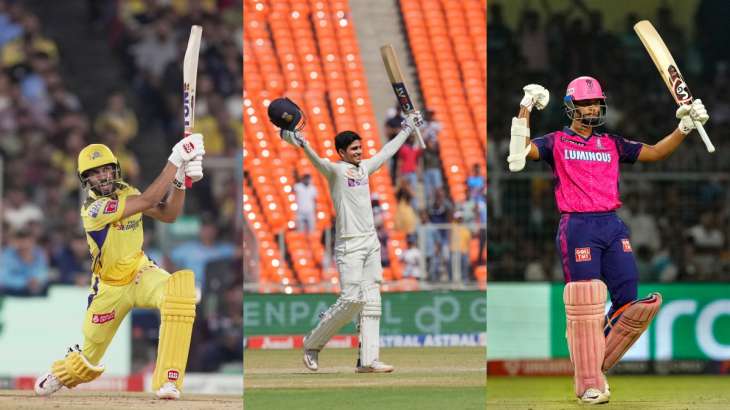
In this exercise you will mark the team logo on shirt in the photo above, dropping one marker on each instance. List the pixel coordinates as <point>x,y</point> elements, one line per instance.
<point>599,145</point>
<point>111,206</point>
<point>582,254</point>
<point>572,154</point>
<point>627,245</point>
<point>355,178</point>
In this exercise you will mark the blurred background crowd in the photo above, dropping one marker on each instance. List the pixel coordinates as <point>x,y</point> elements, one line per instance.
<point>74,73</point>
<point>678,209</point>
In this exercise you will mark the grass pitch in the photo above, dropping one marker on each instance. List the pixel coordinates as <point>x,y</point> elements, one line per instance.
<point>627,392</point>
<point>424,379</point>
<point>70,399</point>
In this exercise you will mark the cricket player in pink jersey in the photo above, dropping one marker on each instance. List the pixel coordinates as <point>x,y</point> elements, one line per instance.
<point>592,241</point>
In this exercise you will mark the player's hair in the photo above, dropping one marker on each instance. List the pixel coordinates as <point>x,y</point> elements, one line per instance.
<point>344,139</point>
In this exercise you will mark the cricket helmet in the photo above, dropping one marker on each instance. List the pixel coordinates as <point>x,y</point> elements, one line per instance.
<point>285,114</point>
<point>94,156</point>
<point>585,88</point>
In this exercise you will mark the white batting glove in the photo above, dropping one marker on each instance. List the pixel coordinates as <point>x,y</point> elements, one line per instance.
<point>412,121</point>
<point>293,137</point>
<point>691,113</point>
<point>187,149</point>
<point>535,96</point>
<point>194,169</point>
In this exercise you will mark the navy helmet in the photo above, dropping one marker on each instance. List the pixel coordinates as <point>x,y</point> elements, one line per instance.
<point>285,114</point>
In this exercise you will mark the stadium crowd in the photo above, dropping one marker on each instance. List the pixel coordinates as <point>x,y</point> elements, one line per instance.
<point>44,124</point>
<point>677,209</point>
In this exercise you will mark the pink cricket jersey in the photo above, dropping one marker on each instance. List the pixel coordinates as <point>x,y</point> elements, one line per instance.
<point>586,170</point>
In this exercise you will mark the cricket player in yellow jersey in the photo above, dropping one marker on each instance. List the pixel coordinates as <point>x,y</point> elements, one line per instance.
<point>123,277</point>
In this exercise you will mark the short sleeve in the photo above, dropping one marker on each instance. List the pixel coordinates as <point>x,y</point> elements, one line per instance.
<point>545,145</point>
<point>628,150</point>
<point>102,212</point>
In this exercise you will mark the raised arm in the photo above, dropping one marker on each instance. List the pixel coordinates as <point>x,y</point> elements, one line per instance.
<point>185,150</point>
<point>520,146</point>
<point>687,115</point>
<point>297,139</point>
<point>410,123</point>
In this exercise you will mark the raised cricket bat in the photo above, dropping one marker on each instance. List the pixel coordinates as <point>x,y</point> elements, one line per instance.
<point>396,79</point>
<point>668,69</point>
<point>190,76</point>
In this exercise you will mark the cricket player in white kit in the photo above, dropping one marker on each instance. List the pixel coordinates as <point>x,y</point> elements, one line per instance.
<point>357,249</point>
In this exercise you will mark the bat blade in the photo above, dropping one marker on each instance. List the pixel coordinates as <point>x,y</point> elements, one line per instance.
<point>190,76</point>
<point>395,75</point>
<point>668,70</point>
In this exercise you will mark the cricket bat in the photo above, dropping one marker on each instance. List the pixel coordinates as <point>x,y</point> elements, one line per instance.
<point>190,76</point>
<point>396,79</point>
<point>668,69</point>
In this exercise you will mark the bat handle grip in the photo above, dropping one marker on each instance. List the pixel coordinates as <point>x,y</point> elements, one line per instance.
<point>705,137</point>
<point>420,138</point>
<point>188,181</point>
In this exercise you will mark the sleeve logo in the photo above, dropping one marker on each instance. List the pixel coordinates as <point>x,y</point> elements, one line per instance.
<point>627,245</point>
<point>111,206</point>
<point>582,254</point>
<point>93,210</point>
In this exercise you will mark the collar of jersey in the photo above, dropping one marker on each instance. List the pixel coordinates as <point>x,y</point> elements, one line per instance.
<point>569,131</point>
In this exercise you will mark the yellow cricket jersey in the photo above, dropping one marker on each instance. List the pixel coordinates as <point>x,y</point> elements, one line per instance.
<point>115,243</point>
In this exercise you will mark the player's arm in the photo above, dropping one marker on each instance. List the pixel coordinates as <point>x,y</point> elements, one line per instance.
<point>687,115</point>
<point>185,150</point>
<point>171,206</point>
<point>297,139</point>
<point>411,122</point>
<point>520,146</point>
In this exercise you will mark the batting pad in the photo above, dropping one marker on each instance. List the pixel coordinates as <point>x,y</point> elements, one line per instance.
<point>584,304</point>
<point>177,315</point>
<point>627,325</point>
<point>341,312</point>
<point>75,369</point>
<point>370,325</point>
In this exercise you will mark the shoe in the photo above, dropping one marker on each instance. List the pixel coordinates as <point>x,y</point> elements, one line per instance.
<point>376,367</point>
<point>168,391</point>
<point>310,359</point>
<point>47,385</point>
<point>594,396</point>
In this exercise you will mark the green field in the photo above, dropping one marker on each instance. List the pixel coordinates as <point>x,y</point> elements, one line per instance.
<point>627,392</point>
<point>424,379</point>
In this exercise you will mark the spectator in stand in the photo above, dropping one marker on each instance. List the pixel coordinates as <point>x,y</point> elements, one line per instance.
<point>306,194</point>
<point>119,117</point>
<point>408,155</point>
<point>196,254</point>
<point>439,211</point>
<point>23,266</point>
<point>406,219</point>
<point>19,211</point>
<point>379,223</point>
<point>707,240</point>
<point>460,241</point>
<point>431,157</point>
<point>480,208</point>
<point>475,182</point>
<point>72,261</point>
<point>411,259</point>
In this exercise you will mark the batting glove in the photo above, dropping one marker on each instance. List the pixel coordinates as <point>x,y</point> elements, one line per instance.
<point>691,113</point>
<point>187,149</point>
<point>535,96</point>
<point>179,181</point>
<point>194,169</point>
<point>412,121</point>
<point>293,137</point>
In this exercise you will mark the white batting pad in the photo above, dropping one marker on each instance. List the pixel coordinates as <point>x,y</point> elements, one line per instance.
<point>370,325</point>
<point>332,320</point>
